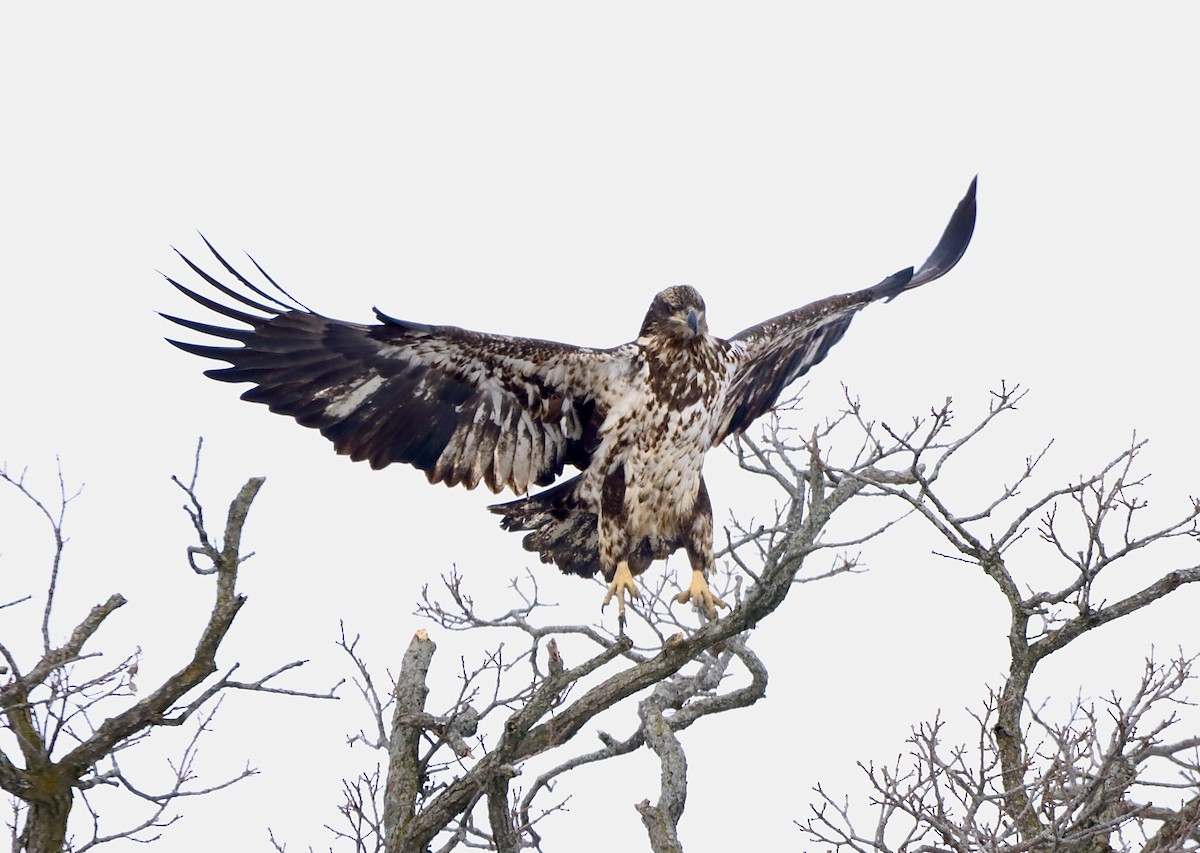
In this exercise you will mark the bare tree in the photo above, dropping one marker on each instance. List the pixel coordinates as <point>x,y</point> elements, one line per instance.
<point>69,716</point>
<point>1030,783</point>
<point>446,778</point>
<point>1118,773</point>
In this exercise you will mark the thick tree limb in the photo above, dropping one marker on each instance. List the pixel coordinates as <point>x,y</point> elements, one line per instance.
<point>406,772</point>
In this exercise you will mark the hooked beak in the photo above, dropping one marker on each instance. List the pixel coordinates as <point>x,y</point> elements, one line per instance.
<point>693,321</point>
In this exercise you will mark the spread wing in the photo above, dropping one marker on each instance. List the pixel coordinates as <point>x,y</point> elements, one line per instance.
<point>773,354</point>
<point>464,407</point>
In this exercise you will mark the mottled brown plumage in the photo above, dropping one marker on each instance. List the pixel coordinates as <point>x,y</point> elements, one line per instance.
<point>469,407</point>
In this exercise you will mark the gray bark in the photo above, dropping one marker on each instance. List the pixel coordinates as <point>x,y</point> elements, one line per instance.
<point>406,774</point>
<point>47,785</point>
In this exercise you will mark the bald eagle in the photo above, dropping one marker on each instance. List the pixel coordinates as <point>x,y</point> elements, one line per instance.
<point>512,413</point>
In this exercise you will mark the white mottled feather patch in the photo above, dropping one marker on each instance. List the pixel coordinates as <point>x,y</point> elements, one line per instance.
<point>351,397</point>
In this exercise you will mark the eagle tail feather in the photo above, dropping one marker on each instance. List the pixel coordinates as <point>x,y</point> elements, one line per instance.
<point>560,529</point>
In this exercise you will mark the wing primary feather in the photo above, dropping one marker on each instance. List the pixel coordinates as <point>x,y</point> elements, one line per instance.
<point>226,354</point>
<point>212,305</point>
<point>953,244</point>
<point>245,281</point>
<point>290,386</point>
<point>243,335</point>
<point>228,291</point>
<point>276,284</point>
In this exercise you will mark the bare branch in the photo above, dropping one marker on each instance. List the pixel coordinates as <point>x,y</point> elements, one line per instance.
<point>51,705</point>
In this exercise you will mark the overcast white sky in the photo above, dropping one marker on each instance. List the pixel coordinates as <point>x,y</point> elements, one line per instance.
<point>543,169</point>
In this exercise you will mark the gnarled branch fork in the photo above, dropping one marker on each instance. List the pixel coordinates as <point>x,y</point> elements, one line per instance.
<point>46,700</point>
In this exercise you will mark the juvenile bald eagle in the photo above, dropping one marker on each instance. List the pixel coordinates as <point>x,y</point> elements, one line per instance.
<point>469,407</point>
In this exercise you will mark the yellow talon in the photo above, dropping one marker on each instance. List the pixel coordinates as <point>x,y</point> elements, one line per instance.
<point>700,595</point>
<point>622,583</point>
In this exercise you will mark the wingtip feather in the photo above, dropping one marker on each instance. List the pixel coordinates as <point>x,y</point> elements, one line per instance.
<point>953,243</point>
<point>215,353</point>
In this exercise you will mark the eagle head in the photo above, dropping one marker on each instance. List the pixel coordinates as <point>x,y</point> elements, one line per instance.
<point>676,313</point>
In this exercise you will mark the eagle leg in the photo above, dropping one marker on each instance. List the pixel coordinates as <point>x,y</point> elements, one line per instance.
<point>700,595</point>
<point>622,582</point>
